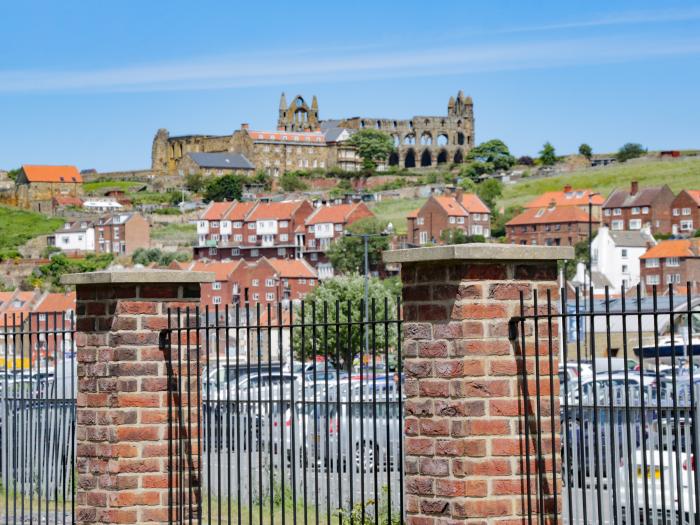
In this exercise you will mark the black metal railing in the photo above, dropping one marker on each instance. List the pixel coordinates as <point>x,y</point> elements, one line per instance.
<point>301,413</point>
<point>38,418</point>
<point>627,403</point>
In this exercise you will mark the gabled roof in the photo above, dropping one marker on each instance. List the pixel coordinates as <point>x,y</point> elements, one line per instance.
<point>695,195</point>
<point>221,269</point>
<point>223,160</point>
<point>451,206</point>
<point>567,197</point>
<point>644,197</point>
<point>240,210</point>
<point>35,173</point>
<point>274,210</point>
<point>549,216</point>
<point>473,204</point>
<point>57,302</point>
<point>292,268</point>
<point>216,211</point>
<point>631,238</point>
<point>333,214</point>
<point>674,248</point>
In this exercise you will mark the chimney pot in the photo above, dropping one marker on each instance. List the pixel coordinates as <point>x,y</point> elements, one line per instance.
<point>245,125</point>
<point>567,188</point>
<point>635,188</point>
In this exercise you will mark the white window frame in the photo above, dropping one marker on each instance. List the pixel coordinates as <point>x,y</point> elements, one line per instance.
<point>216,299</point>
<point>216,285</point>
<point>651,263</point>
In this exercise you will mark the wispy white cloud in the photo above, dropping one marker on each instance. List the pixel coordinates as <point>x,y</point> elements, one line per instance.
<point>338,65</point>
<point>616,19</point>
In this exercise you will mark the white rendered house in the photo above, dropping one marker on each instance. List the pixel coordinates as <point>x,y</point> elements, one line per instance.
<point>615,254</point>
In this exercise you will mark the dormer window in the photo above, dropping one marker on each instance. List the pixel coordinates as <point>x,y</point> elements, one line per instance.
<point>540,212</point>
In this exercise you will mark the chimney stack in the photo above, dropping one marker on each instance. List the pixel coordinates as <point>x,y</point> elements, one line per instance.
<point>635,188</point>
<point>567,188</point>
<point>245,125</point>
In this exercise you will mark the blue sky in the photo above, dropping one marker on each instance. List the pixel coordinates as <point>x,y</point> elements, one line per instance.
<point>89,83</point>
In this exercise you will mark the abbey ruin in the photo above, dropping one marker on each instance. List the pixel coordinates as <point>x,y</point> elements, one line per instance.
<point>303,141</point>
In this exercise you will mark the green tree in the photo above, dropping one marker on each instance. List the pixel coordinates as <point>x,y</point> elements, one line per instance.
<point>264,178</point>
<point>494,154</point>
<point>457,236</point>
<point>347,253</point>
<point>490,190</point>
<point>60,265</point>
<point>629,151</point>
<point>194,182</point>
<point>548,155</point>
<point>373,146</point>
<point>12,174</point>
<point>292,182</point>
<point>224,188</point>
<point>585,150</point>
<point>468,185</point>
<point>580,256</point>
<point>499,220</point>
<point>146,256</point>
<point>342,298</point>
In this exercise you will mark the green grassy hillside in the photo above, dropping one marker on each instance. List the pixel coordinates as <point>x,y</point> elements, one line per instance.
<point>678,174</point>
<point>19,226</point>
<point>395,211</point>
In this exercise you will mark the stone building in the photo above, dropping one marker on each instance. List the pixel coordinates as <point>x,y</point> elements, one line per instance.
<point>37,186</point>
<point>303,141</point>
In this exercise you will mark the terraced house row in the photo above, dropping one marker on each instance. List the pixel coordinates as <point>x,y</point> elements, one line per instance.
<point>294,229</point>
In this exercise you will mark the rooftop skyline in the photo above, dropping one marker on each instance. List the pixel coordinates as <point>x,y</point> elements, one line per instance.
<point>89,84</point>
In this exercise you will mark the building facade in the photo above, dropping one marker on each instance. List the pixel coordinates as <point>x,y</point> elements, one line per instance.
<point>685,213</point>
<point>638,208</point>
<point>461,211</point>
<point>303,141</point>
<point>549,227</point>
<point>74,236</point>
<point>675,262</point>
<point>325,225</point>
<point>570,197</point>
<point>616,255</point>
<point>37,186</point>
<point>121,233</point>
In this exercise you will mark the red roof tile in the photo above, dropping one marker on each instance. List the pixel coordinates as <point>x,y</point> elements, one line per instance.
<point>240,211</point>
<point>549,216</point>
<point>292,268</point>
<point>57,302</point>
<point>221,270</point>
<point>51,173</point>
<point>695,195</point>
<point>673,248</point>
<point>274,210</point>
<point>216,211</point>
<point>333,214</point>
<point>572,197</point>
<point>473,204</point>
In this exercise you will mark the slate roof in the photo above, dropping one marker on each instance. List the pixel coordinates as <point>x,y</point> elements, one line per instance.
<point>623,199</point>
<point>631,238</point>
<point>224,160</point>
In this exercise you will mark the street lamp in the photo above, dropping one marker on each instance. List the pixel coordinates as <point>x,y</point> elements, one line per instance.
<point>365,240</point>
<point>589,263</point>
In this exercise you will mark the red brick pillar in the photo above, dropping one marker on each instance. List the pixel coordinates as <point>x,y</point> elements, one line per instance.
<point>465,447</point>
<point>125,388</point>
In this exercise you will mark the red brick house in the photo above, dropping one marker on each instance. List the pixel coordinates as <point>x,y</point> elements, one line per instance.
<point>639,207</point>
<point>325,225</point>
<point>121,233</point>
<point>569,197</point>
<point>672,262</point>
<point>553,226</point>
<point>685,213</point>
<point>461,211</point>
<point>251,229</point>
